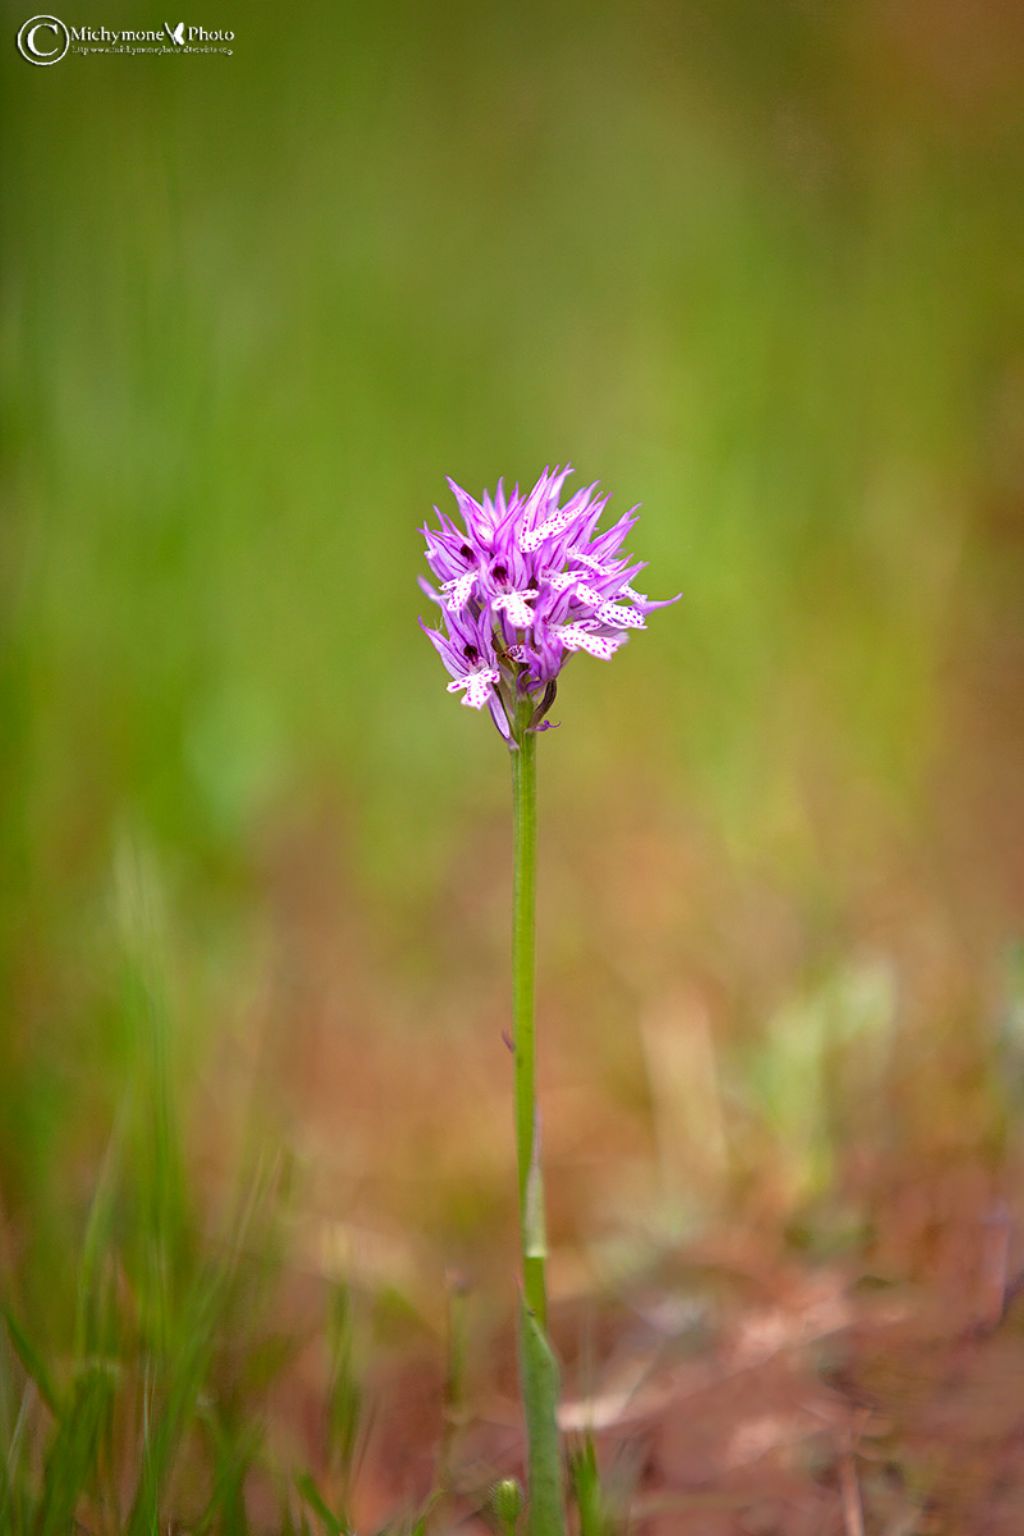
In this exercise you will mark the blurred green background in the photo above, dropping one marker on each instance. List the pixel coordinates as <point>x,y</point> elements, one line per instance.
<point>755,266</point>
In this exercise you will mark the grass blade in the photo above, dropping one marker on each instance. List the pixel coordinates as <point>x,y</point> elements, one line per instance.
<point>33,1363</point>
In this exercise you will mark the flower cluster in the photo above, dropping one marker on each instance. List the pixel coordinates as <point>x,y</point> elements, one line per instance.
<point>525,584</point>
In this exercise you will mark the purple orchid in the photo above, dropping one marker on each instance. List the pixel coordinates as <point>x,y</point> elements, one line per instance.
<point>524,584</point>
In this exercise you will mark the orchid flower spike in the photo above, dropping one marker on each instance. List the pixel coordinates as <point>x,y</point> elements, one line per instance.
<point>523,584</point>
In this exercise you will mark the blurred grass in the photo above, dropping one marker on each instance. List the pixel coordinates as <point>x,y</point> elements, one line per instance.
<point>754,266</point>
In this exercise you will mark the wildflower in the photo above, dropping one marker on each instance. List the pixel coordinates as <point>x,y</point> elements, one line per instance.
<point>522,585</point>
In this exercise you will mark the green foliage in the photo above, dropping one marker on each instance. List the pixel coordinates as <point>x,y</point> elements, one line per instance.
<point>212,536</point>
<point>34,1365</point>
<point>345,1398</point>
<point>330,1522</point>
<point>586,1488</point>
<point>814,1057</point>
<point>132,1371</point>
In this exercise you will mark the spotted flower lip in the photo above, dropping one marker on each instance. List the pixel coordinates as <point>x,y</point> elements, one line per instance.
<point>522,585</point>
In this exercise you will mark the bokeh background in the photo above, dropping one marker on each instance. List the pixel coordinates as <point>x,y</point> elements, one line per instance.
<point>755,266</point>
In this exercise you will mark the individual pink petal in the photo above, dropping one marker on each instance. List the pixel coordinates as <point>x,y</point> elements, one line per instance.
<point>457,592</point>
<point>478,687</point>
<point>575,638</point>
<point>516,607</point>
<point>619,617</point>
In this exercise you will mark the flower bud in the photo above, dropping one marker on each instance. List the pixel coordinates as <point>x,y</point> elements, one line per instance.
<point>508,1501</point>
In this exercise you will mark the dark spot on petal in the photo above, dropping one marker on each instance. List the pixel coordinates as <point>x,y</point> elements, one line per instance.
<point>466,552</point>
<point>471,653</point>
<point>499,572</point>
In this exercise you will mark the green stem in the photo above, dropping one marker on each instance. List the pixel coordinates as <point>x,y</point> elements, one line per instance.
<point>537,1363</point>
<point>524,923</point>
